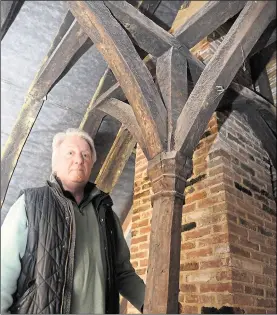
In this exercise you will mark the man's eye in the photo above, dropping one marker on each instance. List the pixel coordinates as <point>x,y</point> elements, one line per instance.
<point>70,153</point>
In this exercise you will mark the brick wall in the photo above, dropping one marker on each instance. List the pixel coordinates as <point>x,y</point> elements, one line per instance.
<point>228,254</point>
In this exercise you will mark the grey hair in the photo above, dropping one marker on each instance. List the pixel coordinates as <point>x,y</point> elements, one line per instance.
<point>59,138</point>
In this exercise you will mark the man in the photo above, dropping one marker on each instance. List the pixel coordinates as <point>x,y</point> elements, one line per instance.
<point>62,246</point>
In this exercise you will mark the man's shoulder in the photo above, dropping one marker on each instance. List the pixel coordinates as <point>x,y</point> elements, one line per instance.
<point>34,190</point>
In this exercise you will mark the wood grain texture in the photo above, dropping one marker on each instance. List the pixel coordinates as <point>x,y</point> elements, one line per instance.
<point>9,11</point>
<point>116,160</point>
<point>168,173</point>
<point>50,70</point>
<point>130,71</point>
<point>172,78</point>
<point>212,15</point>
<point>124,113</point>
<point>219,73</point>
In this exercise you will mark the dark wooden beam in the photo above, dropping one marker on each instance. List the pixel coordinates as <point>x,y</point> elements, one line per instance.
<point>9,11</point>
<point>238,96</point>
<point>51,69</point>
<point>173,84</point>
<point>130,71</point>
<point>146,33</point>
<point>211,16</point>
<point>219,73</point>
<point>268,37</point>
<point>116,160</point>
<point>124,113</point>
<point>260,77</point>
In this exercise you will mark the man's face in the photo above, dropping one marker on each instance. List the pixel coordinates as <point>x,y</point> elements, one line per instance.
<point>74,161</point>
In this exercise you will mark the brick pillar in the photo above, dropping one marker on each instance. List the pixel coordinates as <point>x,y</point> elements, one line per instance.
<point>228,255</point>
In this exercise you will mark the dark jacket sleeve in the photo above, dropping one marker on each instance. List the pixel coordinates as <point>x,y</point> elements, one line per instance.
<point>130,285</point>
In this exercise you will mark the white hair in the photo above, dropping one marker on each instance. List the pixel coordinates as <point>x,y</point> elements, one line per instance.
<point>60,137</point>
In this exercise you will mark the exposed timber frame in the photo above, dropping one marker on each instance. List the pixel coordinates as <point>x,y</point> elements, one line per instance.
<point>167,125</point>
<point>168,170</point>
<point>9,11</point>
<point>68,41</point>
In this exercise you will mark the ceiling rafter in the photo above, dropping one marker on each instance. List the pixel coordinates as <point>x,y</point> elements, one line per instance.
<point>211,85</point>
<point>65,45</point>
<point>211,16</point>
<point>127,67</point>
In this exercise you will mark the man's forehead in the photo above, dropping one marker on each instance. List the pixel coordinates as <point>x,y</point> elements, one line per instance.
<point>75,141</point>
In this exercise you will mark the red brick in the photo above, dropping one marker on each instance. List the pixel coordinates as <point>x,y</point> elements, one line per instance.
<point>141,272</point>
<point>139,255</point>
<point>138,240</point>
<point>224,275</point>
<point>237,287</point>
<point>243,242</point>
<point>267,303</point>
<point>143,263</point>
<point>243,300</point>
<point>215,263</point>
<point>221,227</point>
<point>188,287</point>
<point>188,245</point>
<point>242,276</point>
<point>191,298</point>
<point>225,299</point>
<point>238,230</point>
<point>144,246</point>
<point>197,233</point>
<point>142,223</point>
<point>135,217</point>
<point>145,230</point>
<point>268,250</point>
<point>269,271</point>
<point>134,249</point>
<point>252,310</point>
<point>196,196</point>
<point>199,253</point>
<point>215,287</point>
<point>269,293</point>
<point>216,239</point>
<point>189,266</point>
<point>239,251</point>
<point>207,202</point>
<point>260,257</point>
<point>254,291</point>
<point>262,280</point>
<point>208,300</point>
<point>212,219</point>
<point>189,309</point>
<point>189,208</point>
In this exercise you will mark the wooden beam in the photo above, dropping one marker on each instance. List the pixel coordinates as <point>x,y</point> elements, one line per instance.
<point>146,33</point>
<point>168,173</point>
<point>9,11</point>
<point>128,68</point>
<point>268,37</point>
<point>260,77</point>
<point>238,96</point>
<point>52,67</point>
<point>116,160</point>
<point>219,73</point>
<point>124,113</point>
<point>211,16</point>
<point>173,83</point>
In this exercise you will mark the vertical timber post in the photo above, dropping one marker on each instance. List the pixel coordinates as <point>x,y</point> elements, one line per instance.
<point>168,173</point>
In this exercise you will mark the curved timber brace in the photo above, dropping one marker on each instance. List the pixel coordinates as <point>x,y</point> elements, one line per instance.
<point>170,128</point>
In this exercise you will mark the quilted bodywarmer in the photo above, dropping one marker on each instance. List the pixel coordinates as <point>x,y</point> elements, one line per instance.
<point>45,283</point>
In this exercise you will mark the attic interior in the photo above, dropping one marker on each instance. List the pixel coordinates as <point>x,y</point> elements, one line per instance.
<point>146,79</point>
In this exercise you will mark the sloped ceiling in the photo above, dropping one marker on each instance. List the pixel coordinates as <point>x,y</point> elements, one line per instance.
<point>22,50</point>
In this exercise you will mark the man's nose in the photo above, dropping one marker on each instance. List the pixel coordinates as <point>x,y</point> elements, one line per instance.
<point>79,159</point>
